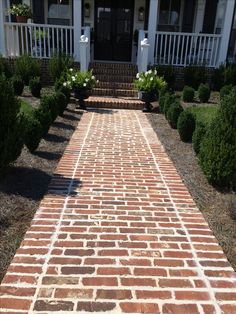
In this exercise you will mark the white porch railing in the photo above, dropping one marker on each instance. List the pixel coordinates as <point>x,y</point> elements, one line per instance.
<point>181,49</point>
<point>38,40</point>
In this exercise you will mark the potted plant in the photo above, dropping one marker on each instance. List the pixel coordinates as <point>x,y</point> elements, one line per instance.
<point>80,83</point>
<point>21,11</point>
<point>149,85</point>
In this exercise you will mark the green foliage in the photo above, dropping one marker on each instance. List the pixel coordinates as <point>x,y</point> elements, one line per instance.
<point>225,91</point>
<point>169,100</point>
<point>58,64</point>
<point>18,85</point>
<point>33,132</point>
<point>173,114</point>
<point>149,82</point>
<point>21,10</point>
<point>168,73</point>
<point>204,114</point>
<point>162,98</point>
<point>11,124</point>
<point>35,86</point>
<point>61,102</point>
<point>217,155</point>
<point>59,87</point>
<point>186,126</point>
<point>27,68</point>
<point>224,75</point>
<point>79,80</point>
<point>194,76</point>
<point>44,117</point>
<point>188,94</point>
<point>5,68</point>
<point>198,135</point>
<point>49,103</point>
<point>204,93</point>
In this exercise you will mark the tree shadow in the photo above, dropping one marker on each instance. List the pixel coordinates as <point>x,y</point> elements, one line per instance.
<point>101,110</point>
<point>48,155</point>
<point>55,138</point>
<point>63,125</point>
<point>71,117</point>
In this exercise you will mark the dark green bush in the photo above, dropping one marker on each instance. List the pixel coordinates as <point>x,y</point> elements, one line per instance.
<point>194,76</point>
<point>5,68</point>
<point>35,86</point>
<point>204,93</point>
<point>18,85</point>
<point>217,155</point>
<point>230,74</point>
<point>43,115</point>
<point>33,132</point>
<point>168,73</point>
<point>49,103</point>
<point>11,124</point>
<point>224,75</point>
<point>169,100</point>
<point>198,136</point>
<point>161,101</point>
<point>173,114</point>
<point>188,94</point>
<point>186,126</point>
<point>225,91</point>
<point>58,64</point>
<point>59,87</point>
<point>27,68</point>
<point>61,102</point>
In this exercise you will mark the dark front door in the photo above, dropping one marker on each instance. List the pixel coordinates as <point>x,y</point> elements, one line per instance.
<point>113,30</point>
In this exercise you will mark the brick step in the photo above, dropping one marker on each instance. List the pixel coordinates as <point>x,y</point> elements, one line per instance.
<point>115,85</point>
<point>103,65</point>
<point>114,103</point>
<point>115,72</point>
<point>114,92</point>
<point>115,78</point>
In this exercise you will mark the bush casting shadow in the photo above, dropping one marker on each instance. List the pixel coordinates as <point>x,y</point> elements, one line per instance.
<point>55,138</point>
<point>48,155</point>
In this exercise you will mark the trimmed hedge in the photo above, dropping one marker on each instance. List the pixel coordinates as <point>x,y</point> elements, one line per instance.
<point>35,86</point>
<point>61,102</point>
<point>188,94</point>
<point>198,135</point>
<point>169,100</point>
<point>33,132</point>
<point>194,76</point>
<point>204,93</point>
<point>225,91</point>
<point>27,68</point>
<point>18,85</point>
<point>186,126</point>
<point>173,114</point>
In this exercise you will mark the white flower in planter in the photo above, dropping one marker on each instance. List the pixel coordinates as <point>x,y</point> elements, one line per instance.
<point>137,75</point>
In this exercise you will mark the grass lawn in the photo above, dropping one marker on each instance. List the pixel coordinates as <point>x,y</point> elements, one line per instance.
<point>25,107</point>
<point>204,114</point>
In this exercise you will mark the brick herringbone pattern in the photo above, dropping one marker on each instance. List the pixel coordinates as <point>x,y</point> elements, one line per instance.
<point>118,232</point>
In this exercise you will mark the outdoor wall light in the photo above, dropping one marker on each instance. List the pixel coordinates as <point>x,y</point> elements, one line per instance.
<point>87,10</point>
<point>141,14</point>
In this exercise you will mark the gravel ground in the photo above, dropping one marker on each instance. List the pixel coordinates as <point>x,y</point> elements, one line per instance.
<point>218,208</point>
<point>24,183</point>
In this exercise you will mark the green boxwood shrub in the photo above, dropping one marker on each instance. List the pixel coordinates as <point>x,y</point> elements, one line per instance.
<point>33,132</point>
<point>161,101</point>
<point>186,126</point>
<point>204,93</point>
<point>188,94</point>
<point>59,87</point>
<point>224,75</point>
<point>225,91</point>
<point>173,114</point>
<point>194,76</point>
<point>18,85</point>
<point>49,103</point>
<point>11,124</point>
<point>27,68</point>
<point>198,135</point>
<point>217,155</point>
<point>61,102</point>
<point>58,64</point>
<point>168,72</point>
<point>169,100</point>
<point>43,115</point>
<point>5,68</point>
<point>35,86</point>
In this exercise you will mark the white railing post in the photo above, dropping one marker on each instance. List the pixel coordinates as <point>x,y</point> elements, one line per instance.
<point>144,56</point>
<point>226,31</point>
<point>2,29</point>
<point>152,28</point>
<point>141,36</point>
<point>83,53</point>
<point>87,34</point>
<point>77,10</point>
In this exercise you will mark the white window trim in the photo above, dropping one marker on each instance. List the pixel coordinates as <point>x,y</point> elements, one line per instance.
<point>46,11</point>
<point>180,16</point>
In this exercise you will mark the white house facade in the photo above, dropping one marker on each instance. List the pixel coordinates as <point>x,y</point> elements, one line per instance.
<point>167,32</point>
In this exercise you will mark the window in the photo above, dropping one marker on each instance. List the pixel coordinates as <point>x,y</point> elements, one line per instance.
<point>59,12</point>
<point>220,16</point>
<point>169,12</point>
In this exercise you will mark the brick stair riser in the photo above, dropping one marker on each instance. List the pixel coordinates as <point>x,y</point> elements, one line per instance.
<point>116,79</point>
<point>114,92</point>
<point>115,85</point>
<point>122,66</point>
<point>115,72</point>
<point>114,105</point>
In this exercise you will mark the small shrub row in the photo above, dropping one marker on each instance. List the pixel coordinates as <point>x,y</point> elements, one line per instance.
<point>224,75</point>
<point>204,93</point>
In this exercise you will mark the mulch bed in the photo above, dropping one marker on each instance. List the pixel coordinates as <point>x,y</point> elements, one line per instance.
<point>24,183</point>
<point>218,208</point>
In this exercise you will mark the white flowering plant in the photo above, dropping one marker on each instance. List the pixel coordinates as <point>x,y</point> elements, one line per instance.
<point>149,81</point>
<point>76,80</point>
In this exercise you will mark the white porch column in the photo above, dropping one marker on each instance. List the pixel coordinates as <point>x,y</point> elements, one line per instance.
<point>152,27</point>
<point>2,29</point>
<point>226,31</point>
<point>199,17</point>
<point>77,27</point>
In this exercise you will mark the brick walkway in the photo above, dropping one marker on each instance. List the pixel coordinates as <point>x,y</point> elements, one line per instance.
<point>118,232</point>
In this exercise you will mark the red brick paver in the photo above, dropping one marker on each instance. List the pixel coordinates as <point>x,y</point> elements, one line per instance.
<point>118,232</point>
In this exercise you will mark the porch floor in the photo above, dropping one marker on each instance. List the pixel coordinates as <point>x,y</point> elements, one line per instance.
<point>118,232</point>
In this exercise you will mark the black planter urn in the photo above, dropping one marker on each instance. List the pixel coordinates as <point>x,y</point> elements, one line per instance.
<point>147,98</point>
<point>81,95</point>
